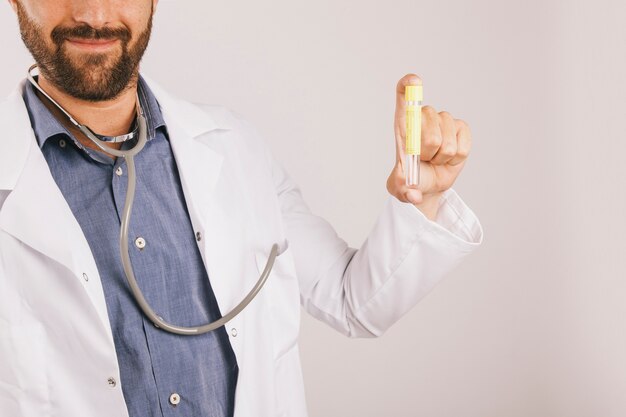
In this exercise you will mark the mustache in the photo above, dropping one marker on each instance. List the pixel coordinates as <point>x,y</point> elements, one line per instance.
<point>59,34</point>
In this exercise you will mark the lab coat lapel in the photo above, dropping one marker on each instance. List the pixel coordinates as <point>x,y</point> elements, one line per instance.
<point>196,141</point>
<point>35,212</point>
<point>199,161</point>
<point>199,167</point>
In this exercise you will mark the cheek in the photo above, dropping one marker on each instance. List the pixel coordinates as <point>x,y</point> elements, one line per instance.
<point>45,14</point>
<point>136,19</point>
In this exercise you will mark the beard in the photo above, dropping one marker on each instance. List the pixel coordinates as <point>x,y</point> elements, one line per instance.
<point>93,76</point>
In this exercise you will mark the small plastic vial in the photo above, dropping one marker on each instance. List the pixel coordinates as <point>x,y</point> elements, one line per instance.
<point>413,94</point>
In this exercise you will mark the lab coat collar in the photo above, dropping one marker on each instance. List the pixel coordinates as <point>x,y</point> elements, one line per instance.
<point>14,143</point>
<point>193,120</point>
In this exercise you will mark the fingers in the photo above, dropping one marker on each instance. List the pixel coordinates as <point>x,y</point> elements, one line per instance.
<point>442,135</point>
<point>445,145</point>
<point>445,140</point>
<point>448,140</point>
<point>431,133</point>
<point>463,141</point>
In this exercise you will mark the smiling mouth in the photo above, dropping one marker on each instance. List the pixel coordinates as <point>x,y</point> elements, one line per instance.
<point>92,44</point>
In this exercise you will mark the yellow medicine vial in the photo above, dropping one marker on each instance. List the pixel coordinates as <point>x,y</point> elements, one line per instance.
<point>413,95</point>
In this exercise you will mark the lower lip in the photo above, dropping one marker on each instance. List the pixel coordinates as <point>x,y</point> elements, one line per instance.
<point>93,46</point>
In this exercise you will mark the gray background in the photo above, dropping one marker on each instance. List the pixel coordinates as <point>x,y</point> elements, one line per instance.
<point>532,323</point>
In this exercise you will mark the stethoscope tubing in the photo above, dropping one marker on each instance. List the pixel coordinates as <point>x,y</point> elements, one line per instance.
<point>128,156</point>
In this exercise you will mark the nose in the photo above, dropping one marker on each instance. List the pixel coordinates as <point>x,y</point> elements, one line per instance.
<point>95,13</point>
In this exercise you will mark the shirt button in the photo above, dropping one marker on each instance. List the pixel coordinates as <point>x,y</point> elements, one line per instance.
<point>119,171</point>
<point>174,399</point>
<point>62,143</point>
<point>233,331</point>
<point>140,242</point>
<point>112,382</point>
<point>198,236</point>
<point>85,277</point>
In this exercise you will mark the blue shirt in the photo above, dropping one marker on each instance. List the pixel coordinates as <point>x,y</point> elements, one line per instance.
<point>155,366</point>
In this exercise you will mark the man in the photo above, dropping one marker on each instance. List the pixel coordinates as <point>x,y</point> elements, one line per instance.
<point>210,202</point>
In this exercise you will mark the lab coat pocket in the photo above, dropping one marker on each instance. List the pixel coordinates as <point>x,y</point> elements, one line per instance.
<point>23,377</point>
<point>283,294</point>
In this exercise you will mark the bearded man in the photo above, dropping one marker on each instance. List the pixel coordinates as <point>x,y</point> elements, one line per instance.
<point>78,339</point>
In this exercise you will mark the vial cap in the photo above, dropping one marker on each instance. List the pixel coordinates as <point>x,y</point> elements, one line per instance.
<point>413,93</point>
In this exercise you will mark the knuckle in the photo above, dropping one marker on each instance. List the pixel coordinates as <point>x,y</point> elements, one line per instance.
<point>445,114</point>
<point>432,140</point>
<point>462,123</point>
<point>449,150</point>
<point>463,151</point>
<point>429,109</point>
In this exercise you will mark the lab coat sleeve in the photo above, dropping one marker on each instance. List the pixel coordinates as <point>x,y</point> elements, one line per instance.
<point>361,293</point>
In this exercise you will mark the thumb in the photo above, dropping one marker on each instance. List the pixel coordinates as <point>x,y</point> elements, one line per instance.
<point>414,196</point>
<point>409,79</point>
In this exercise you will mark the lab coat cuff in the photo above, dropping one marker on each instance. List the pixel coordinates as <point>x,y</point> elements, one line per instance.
<point>455,222</point>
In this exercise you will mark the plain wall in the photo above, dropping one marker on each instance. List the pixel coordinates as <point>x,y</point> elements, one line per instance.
<point>532,323</point>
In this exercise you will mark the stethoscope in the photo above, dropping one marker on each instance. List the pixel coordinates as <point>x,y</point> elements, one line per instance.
<point>128,155</point>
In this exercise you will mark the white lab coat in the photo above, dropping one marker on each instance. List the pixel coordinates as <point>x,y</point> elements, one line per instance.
<point>57,356</point>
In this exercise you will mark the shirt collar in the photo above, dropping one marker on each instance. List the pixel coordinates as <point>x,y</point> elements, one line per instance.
<point>150,107</point>
<point>45,125</point>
